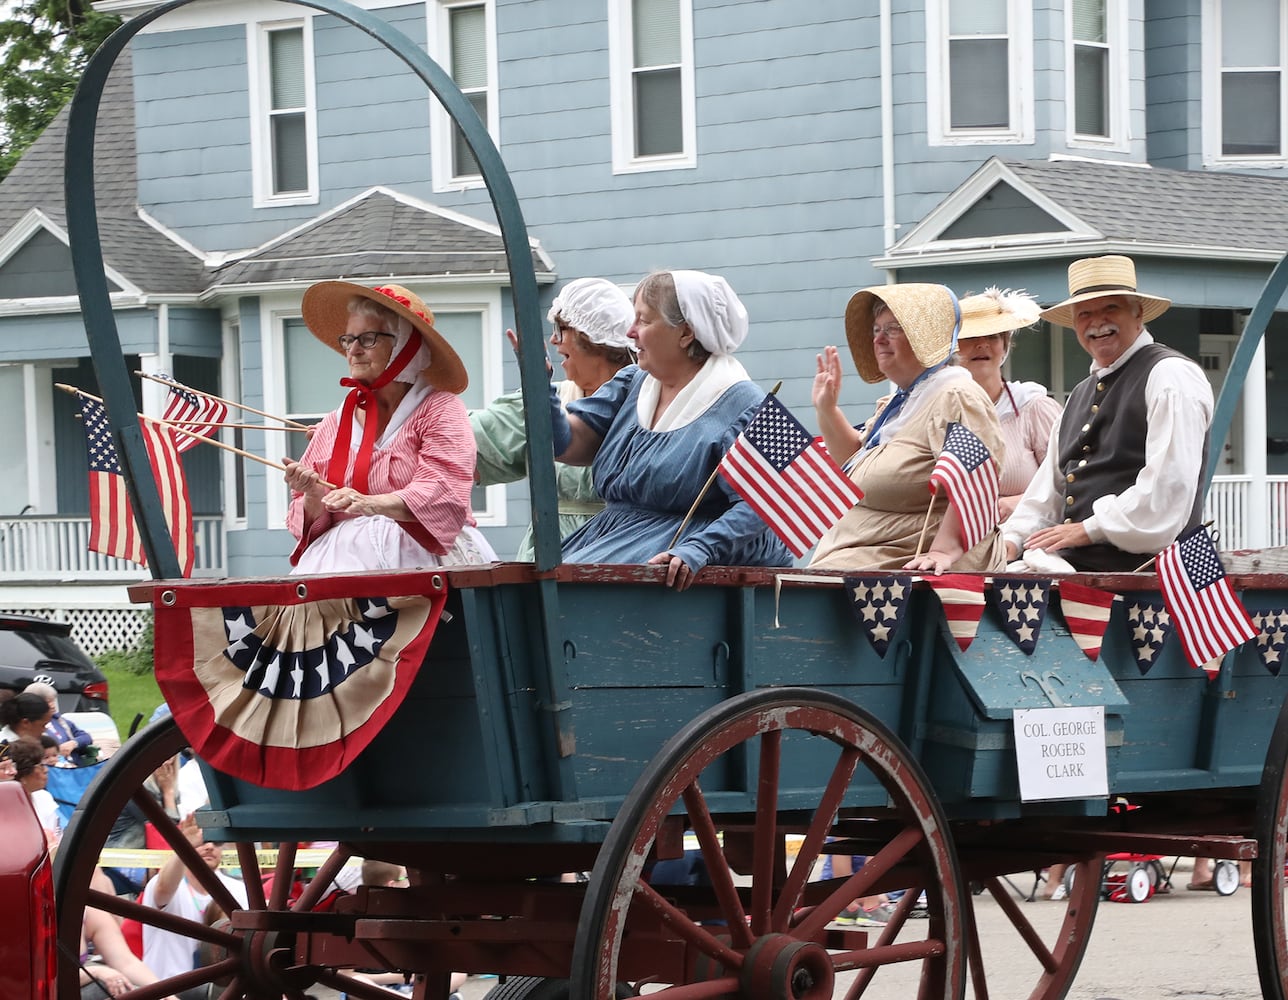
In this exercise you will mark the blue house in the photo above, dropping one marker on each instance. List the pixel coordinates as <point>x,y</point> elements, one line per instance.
<point>802,150</point>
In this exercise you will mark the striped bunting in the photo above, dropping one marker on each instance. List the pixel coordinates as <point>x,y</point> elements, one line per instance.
<point>962,596</point>
<point>1086,613</point>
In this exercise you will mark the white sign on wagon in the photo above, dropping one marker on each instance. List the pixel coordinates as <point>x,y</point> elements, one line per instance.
<point>1060,753</point>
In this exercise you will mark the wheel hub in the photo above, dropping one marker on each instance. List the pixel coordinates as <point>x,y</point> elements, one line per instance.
<point>780,967</point>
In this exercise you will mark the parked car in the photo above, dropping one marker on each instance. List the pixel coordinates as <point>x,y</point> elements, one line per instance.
<point>27,947</point>
<point>36,649</point>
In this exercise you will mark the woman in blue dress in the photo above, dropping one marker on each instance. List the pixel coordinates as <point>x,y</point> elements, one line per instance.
<point>653,434</point>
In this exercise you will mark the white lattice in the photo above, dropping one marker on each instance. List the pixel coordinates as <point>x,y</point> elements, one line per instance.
<point>97,629</point>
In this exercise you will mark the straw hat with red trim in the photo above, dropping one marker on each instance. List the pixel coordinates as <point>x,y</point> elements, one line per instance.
<point>1094,277</point>
<point>928,314</point>
<point>326,313</point>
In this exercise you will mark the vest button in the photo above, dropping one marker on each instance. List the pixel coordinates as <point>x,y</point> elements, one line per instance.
<point>1095,408</point>
<point>1068,501</point>
<point>1100,387</point>
<point>1068,520</point>
<point>1085,428</point>
<point>1081,463</point>
<point>1069,478</point>
<point>1086,448</point>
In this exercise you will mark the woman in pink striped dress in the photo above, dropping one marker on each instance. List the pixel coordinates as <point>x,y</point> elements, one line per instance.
<point>385,481</point>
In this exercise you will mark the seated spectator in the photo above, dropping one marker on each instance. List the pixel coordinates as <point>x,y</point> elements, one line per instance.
<point>24,716</point>
<point>173,890</point>
<point>30,761</point>
<point>906,334</point>
<point>72,739</point>
<point>8,771</point>
<point>107,965</point>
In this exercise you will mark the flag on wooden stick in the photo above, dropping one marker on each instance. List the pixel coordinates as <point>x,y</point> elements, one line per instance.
<point>113,529</point>
<point>787,477</point>
<point>1210,620</point>
<point>192,411</point>
<point>966,470</point>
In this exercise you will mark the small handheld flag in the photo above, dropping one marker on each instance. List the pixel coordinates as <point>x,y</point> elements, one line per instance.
<point>194,412</point>
<point>967,472</point>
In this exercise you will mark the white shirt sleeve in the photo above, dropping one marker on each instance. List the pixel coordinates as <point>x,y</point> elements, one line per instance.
<point>1148,515</point>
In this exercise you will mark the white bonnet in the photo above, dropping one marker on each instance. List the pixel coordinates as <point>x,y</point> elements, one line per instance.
<point>597,308</point>
<point>418,363</point>
<point>710,307</point>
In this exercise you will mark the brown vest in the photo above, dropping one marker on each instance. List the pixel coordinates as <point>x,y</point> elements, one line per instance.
<point>1102,450</point>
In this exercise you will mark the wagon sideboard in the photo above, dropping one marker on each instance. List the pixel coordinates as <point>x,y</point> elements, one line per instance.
<point>517,730</point>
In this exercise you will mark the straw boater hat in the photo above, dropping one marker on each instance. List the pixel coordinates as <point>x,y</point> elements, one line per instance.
<point>928,314</point>
<point>326,313</point>
<point>1093,277</point>
<point>997,311</point>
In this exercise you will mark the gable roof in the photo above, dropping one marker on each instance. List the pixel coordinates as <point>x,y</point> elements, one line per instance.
<point>1090,207</point>
<point>379,234</point>
<point>136,251</point>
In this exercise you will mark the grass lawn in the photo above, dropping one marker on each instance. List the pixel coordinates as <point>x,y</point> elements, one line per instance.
<point>130,694</point>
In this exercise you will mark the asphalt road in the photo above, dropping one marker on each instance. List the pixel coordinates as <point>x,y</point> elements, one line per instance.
<point>1180,946</point>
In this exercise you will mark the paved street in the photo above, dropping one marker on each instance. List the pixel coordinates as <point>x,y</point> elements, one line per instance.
<point>1182,946</point>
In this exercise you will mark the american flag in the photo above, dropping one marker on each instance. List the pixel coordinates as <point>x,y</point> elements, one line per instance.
<point>1208,617</point>
<point>787,477</point>
<point>185,407</point>
<point>966,470</point>
<point>113,530</point>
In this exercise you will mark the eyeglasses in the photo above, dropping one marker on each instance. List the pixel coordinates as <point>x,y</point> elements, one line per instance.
<point>560,331</point>
<point>890,330</point>
<point>367,340</point>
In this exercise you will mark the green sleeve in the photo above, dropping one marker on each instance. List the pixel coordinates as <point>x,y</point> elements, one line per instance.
<point>501,440</point>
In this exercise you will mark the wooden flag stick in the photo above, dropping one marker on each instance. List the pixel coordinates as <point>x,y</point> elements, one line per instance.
<point>192,434</point>
<point>921,539</point>
<point>705,487</point>
<point>1148,562</point>
<point>293,424</point>
<point>219,423</point>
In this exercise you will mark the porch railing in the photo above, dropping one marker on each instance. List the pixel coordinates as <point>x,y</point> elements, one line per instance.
<point>57,548</point>
<point>1227,506</point>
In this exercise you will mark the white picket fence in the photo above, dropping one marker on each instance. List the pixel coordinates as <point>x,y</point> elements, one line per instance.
<point>57,548</point>
<point>1227,506</point>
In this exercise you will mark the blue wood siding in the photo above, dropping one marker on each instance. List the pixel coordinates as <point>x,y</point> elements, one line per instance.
<point>1174,83</point>
<point>197,332</point>
<point>62,336</point>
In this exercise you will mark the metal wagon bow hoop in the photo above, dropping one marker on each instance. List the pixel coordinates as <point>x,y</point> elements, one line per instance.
<point>100,323</point>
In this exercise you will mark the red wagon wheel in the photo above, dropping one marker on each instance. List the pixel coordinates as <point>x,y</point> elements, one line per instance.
<point>252,964</point>
<point>1269,926</point>
<point>766,936</point>
<point>1052,951</point>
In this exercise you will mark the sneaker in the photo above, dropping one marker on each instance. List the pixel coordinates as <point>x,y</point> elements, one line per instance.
<point>1058,893</point>
<point>878,916</point>
<point>850,915</point>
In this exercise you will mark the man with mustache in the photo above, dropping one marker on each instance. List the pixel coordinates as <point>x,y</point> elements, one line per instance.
<point>1121,476</point>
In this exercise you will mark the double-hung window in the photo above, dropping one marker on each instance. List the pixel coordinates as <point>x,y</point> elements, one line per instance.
<point>284,132</point>
<point>979,79</point>
<point>463,43</point>
<point>1244,106</point>
<point>1096,81</point>
<point>651,59</point>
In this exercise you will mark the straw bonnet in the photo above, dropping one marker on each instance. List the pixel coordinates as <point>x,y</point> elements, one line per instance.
<point>929,315</point>
<point>1094,277</point>
<point>326,313</point>
<point>997,311</point>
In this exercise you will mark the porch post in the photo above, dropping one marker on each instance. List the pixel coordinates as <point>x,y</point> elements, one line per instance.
<point>1257,530</point>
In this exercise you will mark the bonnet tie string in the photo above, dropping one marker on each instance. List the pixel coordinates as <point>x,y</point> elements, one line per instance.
<point>363,397</point>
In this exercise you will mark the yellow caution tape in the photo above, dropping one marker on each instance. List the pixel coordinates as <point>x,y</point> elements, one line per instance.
<point>124,857</point>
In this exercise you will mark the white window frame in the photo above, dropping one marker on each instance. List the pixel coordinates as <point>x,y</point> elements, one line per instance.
<point>1119,104</point>
<point>1210,32</point>
<point>230,379</point>
<point>1019,19</point>
<point>441,125</point>
<point>442,300</point>
<point>261,137</point>
<point>621,92</point>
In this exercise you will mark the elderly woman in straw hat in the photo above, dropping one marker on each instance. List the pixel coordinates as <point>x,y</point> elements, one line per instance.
<point>906,334</point>
<point>656,432</point>
<point>591,318</point>
<point>385,482</point>
<point>1025,410</point>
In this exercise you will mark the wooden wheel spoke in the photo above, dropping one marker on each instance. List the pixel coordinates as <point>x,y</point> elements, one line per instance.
<point>283,876</point>
<point>195,864</point>
<point>1023,926</point>
<point>680,922</point>
<point>324,878</point>
<point>252,877</point>
<point>711,989</point>
<point>765,854</point>
<point>829,803</point>
<point>721,878</point>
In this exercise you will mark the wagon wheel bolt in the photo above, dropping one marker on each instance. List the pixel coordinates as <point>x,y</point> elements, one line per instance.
<point>802,982</point>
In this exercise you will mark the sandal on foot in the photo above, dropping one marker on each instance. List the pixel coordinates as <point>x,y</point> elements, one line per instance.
<point>1201,886</point>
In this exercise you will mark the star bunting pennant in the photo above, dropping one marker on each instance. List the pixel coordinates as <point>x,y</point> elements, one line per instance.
<point>1021,605</point>
<point>1086,613</point>
<point>878,603</point>
<point>1272,626</point>
<point>1148,626</point>
<point>962,595</point>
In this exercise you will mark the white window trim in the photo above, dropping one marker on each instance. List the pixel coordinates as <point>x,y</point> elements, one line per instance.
<point>620,94</point>
<point>261,144</point>
<point>1119,80</point>
<point>443,300</point>
<point>1020,49</point>
<point>1210,31</point>
<point>230,378</point>
<point>439,48</point>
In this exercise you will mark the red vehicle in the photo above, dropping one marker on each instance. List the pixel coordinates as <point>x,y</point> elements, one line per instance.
<point>27,948</point>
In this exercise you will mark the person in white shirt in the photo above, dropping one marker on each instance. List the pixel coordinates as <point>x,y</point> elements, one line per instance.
<point>1121,478</point>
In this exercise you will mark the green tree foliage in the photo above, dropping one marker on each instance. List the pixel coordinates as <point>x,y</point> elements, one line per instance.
<point>44,45</point>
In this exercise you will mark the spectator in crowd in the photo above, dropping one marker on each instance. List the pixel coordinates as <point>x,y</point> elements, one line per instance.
<point>24,716</point>
<point>32,771</point>
<point>72,739</point>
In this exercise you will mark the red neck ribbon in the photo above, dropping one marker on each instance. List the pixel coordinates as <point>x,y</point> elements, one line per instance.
<point>363,397</point>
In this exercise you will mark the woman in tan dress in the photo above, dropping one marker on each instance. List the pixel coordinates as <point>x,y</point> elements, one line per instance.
<point>904,333</point>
